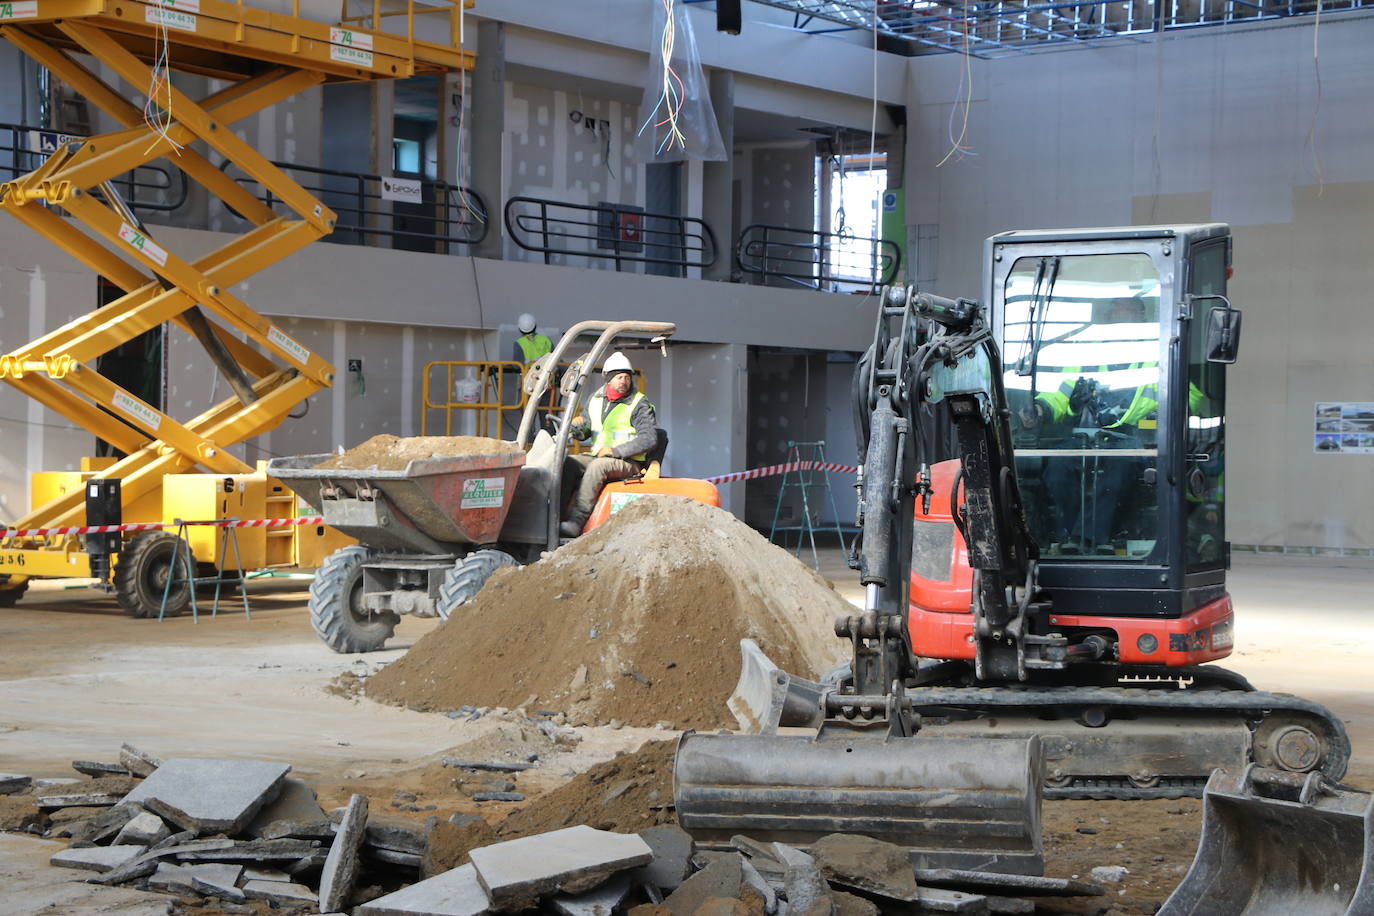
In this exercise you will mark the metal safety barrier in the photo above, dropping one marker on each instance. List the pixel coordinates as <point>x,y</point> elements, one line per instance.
<point>820,260</point>
<point>614,232</point>
<point>413,214</point>
<point>148,188</point>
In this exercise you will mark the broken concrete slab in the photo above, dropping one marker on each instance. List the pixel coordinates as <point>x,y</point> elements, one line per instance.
<point>107,822</point>
<point>137,762</point>
<point>722,906</point>
<point>493,766</point>
<point>11,783</point>
<point>254,873</point>
<point>83,800</point>
<point>97,768</point>
<point>147,863</point>
<point>341,865</point>
<point>146,829</point>
<point>672,848</point>
<point>939,900</point>
<point>1009,905</point>
<point>752,879</point>
<point>395,834</point>
<point>218,889</point>
<point>315,860</point>
<point>178,877</point>
<point>600,901</point>
<point>279,893</point>
<point>210,796</point>
<point>807,892</point>
<point>392,857</point>
<point>96,858</point>
<point>984,882</point>
<point>295,807</point>
<point>454,893</point>
<point>866,864</point>
<point>573,860</point>
<point>722,878</point>
<point>53,781</point>
<point>250,851</point>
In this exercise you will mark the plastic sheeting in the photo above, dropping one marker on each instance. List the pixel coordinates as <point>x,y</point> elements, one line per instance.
<point>677,120</point>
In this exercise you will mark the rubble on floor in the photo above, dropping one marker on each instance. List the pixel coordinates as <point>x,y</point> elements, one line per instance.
<point>257,841</point>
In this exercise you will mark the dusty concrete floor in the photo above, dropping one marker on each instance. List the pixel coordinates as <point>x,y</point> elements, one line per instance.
<point>77,678</point>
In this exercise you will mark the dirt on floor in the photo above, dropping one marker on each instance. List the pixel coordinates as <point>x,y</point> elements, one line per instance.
<point>386,452</point>
<point>638,621</point>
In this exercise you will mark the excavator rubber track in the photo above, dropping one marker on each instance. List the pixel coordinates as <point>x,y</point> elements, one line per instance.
<point>1219,719</point>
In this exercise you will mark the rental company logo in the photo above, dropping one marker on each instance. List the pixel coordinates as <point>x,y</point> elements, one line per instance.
<point>350,47</point>
<point>18,9</point>
<point>143,245</point>
<point>483,493</point>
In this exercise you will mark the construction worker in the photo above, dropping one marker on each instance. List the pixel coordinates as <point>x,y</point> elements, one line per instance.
<point>620,422</point>
<point>530,345</point>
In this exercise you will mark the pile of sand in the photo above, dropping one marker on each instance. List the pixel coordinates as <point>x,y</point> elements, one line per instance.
<point>638,621</point>
<point>386,452</point>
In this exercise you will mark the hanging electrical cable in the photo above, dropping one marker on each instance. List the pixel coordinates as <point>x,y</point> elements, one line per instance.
<point>469,205</point>
<point>671,96</point>
<point>957,148</point>
<point>156,115</point>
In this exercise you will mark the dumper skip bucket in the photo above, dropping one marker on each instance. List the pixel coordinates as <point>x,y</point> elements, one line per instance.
<point>1278,844</point>
<point>430,506</point>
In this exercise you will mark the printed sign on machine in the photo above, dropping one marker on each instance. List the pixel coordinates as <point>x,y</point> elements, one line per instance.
<point>350,47</point>
<point>483,493</point>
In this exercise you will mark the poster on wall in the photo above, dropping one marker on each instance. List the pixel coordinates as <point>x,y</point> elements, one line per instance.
<point>1344,428</point>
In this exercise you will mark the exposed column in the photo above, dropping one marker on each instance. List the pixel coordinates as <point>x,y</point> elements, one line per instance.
<point>488,132</point>
<point>718,178</point>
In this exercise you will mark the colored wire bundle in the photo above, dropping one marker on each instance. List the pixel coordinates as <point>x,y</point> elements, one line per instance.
<point>671,98</point>
<point>158,117</point>
<point>957,147</point>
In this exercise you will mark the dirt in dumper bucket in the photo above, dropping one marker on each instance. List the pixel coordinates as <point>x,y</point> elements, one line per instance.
<point>386,452</point>
<point>637,621</point>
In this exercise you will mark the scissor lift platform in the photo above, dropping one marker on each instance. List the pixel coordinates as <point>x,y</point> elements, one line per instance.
<point>266,55</point>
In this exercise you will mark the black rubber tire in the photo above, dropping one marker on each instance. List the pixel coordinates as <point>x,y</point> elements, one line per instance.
<point>466,578</point>
<point>9,597</point>
<point>141,570</point>
<point>336,605</point>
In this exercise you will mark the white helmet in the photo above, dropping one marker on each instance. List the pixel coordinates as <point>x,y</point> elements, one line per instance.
<point>526,323</point>
<point>616,362</point>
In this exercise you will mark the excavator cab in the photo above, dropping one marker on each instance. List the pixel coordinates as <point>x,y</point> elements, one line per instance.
<point>1118,416</point>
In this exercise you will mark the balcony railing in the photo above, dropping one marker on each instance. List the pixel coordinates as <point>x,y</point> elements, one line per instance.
<point>614,232</point>
<point>819,260</point>
<point>438,216</point>
<point>148,188</point>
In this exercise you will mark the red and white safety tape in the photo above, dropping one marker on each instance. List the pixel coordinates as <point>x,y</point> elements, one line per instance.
<point>786,468</point>
<point>7,533</point>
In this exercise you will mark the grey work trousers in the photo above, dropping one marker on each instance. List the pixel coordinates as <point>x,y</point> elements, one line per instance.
<point>596,473</point>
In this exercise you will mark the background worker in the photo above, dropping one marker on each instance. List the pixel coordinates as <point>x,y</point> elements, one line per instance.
<point>529,346</point>
<point>620,422</point>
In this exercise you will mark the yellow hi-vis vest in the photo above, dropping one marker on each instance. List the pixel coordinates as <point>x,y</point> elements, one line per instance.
<point>618,426</point>
<point>533,346</point>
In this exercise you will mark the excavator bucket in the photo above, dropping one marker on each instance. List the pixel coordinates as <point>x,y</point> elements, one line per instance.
<point>1277,843</point>
<point>952,802</point>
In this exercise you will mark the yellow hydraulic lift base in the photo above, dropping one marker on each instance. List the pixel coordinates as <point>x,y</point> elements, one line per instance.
<point>177,469</point>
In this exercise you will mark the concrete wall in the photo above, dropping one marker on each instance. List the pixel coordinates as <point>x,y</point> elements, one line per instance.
<point>1211,125</point>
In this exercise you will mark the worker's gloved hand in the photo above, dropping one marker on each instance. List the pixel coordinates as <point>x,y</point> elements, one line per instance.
<point>579,420</point>
<point>1029,416</point>
<point>604,452</point>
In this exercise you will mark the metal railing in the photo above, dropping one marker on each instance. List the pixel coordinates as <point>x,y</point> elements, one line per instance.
<point>820,260</point>
<point>24,148</point>
<point>445,215</point>
<point>612,232</point>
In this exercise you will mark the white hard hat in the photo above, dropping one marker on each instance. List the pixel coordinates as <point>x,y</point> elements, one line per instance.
<point>525,323</point>
<point>616,362</point>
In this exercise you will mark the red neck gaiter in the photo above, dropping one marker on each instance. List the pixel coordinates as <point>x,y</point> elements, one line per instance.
<point>613,396</point>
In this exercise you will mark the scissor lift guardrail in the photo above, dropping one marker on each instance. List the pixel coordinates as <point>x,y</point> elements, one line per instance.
<point>267,57</point>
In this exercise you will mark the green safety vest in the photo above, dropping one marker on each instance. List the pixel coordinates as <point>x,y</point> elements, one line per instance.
<point>618,426</point>
<point>1144,403</point>
<point>533,346</point>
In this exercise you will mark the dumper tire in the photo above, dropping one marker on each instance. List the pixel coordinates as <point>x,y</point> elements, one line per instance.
<point>336,609</point>
<point>141,570</point>
<point>466,578</point>
<point>9,597</point>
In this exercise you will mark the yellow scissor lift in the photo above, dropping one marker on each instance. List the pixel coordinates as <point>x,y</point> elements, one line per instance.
<point>181,469</point>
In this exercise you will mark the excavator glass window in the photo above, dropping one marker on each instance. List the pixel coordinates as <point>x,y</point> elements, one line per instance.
<point>1082,356</point>
<point>1204,473</point>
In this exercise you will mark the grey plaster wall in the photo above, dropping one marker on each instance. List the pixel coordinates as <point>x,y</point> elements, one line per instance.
<point>551,157</point>
<point>1214,125</point>
<point>701,403</point>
